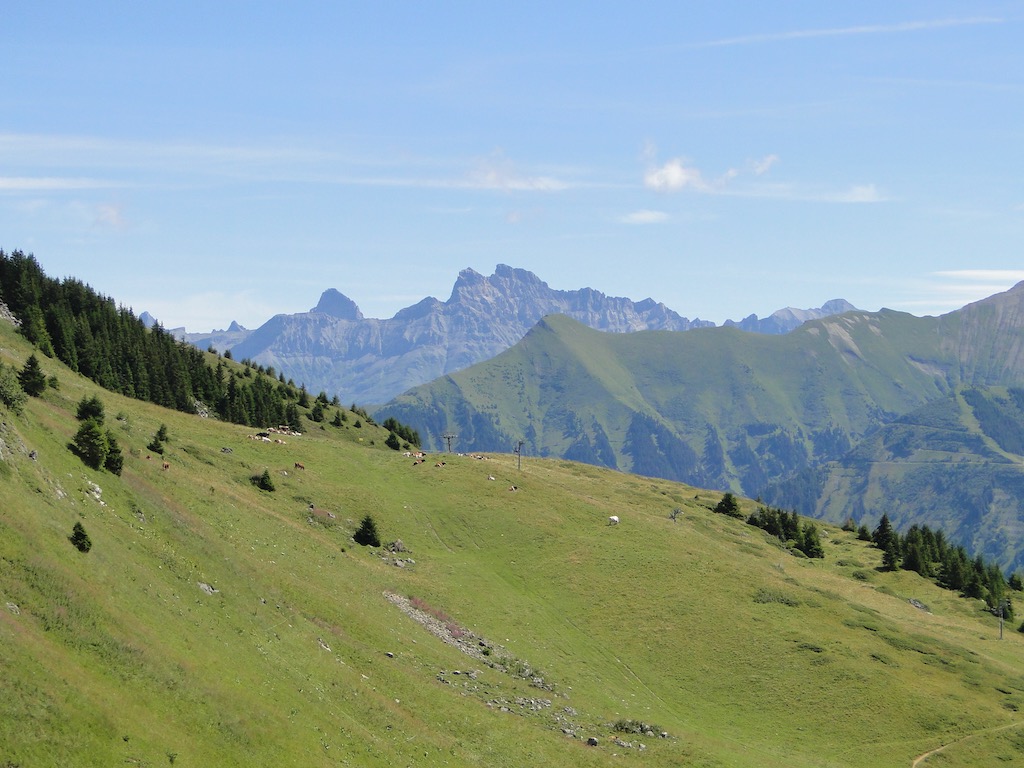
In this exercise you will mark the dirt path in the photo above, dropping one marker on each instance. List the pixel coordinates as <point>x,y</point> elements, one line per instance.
<point>921,758</point>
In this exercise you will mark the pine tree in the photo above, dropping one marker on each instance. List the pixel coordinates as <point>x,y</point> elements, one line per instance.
<point>32,378</point>
<point>367,534</point>
<point>90,408</point>
<point>891,554</point>
<point>80,538</point>
<point>883,532</point>
<point>812,541</point>
<point>728,506</point>
<point>91,443</point>
<point>114,461</point>
<point>392,442</point>
<point>11,393</point>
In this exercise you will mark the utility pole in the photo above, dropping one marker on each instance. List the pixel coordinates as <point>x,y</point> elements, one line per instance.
<point>519,455</point>
<point>448,437</point>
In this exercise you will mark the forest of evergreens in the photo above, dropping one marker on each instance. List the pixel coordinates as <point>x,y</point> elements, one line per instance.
<point>68,320</point>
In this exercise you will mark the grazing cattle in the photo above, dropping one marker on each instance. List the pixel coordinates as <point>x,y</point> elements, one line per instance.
<point>166,465</point>
<point>513,487</point>
<point>613,520</point>
<point>299,465</point>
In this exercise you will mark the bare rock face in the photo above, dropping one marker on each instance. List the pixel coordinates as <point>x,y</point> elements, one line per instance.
<point>335,349</point>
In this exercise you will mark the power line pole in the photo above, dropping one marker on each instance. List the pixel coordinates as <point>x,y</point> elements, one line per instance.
<point>519,454</point>
<point>448,437</point>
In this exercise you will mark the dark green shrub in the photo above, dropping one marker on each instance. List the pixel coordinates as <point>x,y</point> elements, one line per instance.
<point>392,442</point>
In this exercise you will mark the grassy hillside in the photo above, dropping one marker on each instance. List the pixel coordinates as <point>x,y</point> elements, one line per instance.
<point>213,623</point>
<point>715,407</point>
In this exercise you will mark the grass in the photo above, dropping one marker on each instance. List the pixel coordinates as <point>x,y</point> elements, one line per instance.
<point>744,655</point>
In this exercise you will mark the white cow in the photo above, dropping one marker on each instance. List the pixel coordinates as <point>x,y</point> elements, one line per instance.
<point>613,520</point>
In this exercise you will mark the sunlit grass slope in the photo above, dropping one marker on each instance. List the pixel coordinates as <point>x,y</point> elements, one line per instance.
<point>214,624</point>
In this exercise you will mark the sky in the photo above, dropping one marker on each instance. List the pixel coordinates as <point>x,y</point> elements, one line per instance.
<point>210,162</point>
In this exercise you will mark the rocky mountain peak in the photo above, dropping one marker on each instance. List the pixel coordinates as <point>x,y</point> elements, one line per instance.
<point>336,304</point>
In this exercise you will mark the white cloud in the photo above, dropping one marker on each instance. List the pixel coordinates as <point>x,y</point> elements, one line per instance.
<point>673,176</point>
<point>495,172</point>
<point>762,166</point>
<point>644,217</point>
<point>109,215</point>
<point>859,193</point>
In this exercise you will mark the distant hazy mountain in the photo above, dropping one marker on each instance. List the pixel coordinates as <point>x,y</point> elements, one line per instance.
<point>219,340</point>
<point>335,349</point>
<point>719,408</point>
<point>790,318</point>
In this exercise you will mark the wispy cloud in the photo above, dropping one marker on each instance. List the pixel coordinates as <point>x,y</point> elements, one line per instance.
<point>983,275</point>
<point>182,164</point>
<point>644,217</point>
<point>860,193</point>
<point>762,166</point>
<point>52,184</point>
<point>109,215</point>
<point>866,29</point>
<point>678,174</point>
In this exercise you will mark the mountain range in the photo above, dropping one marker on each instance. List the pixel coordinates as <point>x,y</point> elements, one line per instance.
<point>853,415</point>
<point>335,349</point>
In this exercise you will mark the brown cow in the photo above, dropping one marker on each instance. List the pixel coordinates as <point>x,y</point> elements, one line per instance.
<point>299,465</point>
<point>166,465</point>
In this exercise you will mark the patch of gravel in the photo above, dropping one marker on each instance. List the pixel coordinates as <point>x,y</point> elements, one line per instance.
<point>471,644</point>
<point>467,642</point>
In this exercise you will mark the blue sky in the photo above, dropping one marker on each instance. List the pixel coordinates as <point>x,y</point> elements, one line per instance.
<point>211,162</point>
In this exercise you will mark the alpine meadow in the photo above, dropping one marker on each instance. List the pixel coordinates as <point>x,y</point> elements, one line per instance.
<point>206,600</point>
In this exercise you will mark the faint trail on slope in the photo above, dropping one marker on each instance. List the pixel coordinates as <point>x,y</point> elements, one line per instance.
<point>921,758</point>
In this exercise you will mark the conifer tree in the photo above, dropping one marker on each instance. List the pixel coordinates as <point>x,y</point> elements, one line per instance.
<point>891,554</point>
<point>80,538</point>
<point>32,378</point>
<point>114,461</point>
<point>91,443</point>
<point>883,532</point>
<point>90,408</point>
<point>11,393</point>
<point>367,534</point>
<point>728,506</point>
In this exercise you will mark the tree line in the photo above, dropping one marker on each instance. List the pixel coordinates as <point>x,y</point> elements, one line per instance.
<point>68,320</point>
<point>931,555</point>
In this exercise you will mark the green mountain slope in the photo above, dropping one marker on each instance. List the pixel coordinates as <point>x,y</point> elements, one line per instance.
<point>956,463</point>
<point>721,408</point>
<point>213,623</point>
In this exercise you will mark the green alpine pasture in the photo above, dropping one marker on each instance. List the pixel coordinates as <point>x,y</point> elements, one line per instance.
<point>214,623</point>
